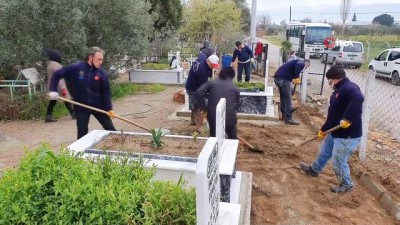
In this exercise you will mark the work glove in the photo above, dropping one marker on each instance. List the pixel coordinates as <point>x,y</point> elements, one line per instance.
<point>321,134</point>
<point>345,124</point>
<point>64,92</point>
<point>296,81</point>
<point>53,95</point>
<point>111,114</point>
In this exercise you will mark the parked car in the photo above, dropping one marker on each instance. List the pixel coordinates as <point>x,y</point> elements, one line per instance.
<point>347,53</point>
<point>387,64</point>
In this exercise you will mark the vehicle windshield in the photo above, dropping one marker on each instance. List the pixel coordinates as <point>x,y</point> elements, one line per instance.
<point>354,47</point>
<point>317,35</point>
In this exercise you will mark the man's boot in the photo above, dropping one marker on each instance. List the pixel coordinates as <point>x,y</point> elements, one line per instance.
<point>199,121</point>
<point>49,119</point>
<point>193,117</point>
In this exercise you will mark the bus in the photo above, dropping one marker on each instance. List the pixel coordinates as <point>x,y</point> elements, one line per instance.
<point>311,36</point>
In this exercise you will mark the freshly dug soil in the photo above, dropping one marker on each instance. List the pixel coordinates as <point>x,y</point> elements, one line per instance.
<point>142,144</point>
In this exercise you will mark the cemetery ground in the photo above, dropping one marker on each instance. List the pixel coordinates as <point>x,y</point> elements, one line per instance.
<point>281,193</point>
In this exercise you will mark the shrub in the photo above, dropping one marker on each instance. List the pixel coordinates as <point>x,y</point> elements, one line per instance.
<point>50,188</point>
<point>25,109</point>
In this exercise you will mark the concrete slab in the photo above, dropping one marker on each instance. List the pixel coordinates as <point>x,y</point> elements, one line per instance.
<point>228,214</point>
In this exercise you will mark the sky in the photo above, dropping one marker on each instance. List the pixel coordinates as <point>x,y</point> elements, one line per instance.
<point>365,10</point>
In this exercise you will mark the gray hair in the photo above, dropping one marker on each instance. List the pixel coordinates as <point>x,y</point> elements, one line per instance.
<point>93,50</point>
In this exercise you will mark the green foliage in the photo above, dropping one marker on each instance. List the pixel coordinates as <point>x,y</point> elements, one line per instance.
<point>286,46</point>
<point>384,19</point>
<point>250,85</point>
<point>204,19</point>
<point>169,13</point>
<point>155,66</point>
<point>50,188</point>
<point>120,90</point>
<point>120,27</point>
<point>246,14</point>
<point>25,109</point>
<point>156,138</point>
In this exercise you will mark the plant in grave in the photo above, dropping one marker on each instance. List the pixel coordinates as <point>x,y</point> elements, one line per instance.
<point>156,138</point>
<point>195,135</point>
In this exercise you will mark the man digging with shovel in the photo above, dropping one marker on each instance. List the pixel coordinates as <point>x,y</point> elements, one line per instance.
<point>90,86</point>
<point>345,109</point>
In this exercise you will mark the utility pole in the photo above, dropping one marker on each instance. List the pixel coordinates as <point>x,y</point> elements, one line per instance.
<point>253,24</point>
<point>290,14</point>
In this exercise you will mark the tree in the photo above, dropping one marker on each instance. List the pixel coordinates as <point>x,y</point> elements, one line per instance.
<point>246,15</point>
<point>307,20</point>
<point>384,19</point>
<point>27,28</point>
<point>345,6</point>
<point>264,21</point>
<point>168,13</point>
<point>203,19</point>
<point>120,27</point>
<point>354,18</point>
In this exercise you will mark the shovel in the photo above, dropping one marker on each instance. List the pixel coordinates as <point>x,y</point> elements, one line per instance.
<point>104,112</point>
<point>250,146</point>
<point>316,137</point>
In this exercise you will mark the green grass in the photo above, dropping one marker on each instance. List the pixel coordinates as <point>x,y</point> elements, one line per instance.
<point>276,40</point>
<point>156,66</point>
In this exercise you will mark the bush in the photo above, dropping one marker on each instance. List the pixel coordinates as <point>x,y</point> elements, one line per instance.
<point>25,109</point>
<point>50,188</point>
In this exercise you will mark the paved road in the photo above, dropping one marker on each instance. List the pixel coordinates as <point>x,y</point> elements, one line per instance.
<point>273,53</point>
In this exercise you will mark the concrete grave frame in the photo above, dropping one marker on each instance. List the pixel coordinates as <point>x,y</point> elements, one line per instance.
<point>174,76</point>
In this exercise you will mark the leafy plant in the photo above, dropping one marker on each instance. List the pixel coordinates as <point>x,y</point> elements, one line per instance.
<point>195,135</point>
<point>60,188</point>
<point>156,138</point>
<point>250,85</point>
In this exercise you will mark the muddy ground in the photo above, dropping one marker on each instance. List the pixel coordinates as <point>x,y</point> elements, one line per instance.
<point>282,194</point>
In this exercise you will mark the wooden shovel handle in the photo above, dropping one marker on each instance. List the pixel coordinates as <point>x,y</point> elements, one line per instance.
<point>104,112</point>
<point>326,132</point>
<point>246,143</point>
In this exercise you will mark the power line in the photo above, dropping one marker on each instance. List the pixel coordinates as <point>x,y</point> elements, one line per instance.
<point>349,13</point>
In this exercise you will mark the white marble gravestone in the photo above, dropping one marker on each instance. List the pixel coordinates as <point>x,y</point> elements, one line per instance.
<point>207,185</point>
<point>220,123</point>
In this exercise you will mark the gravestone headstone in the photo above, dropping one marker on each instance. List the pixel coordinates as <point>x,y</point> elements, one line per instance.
<point>220,123</point>
<point>207,184</point>
<point>253,104</point>
<point>32,75</point>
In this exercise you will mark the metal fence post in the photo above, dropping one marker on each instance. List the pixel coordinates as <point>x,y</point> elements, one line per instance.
<point>369,48</point>
<point>266,74</point>
<point>304,80</point>
<point>366,117</point>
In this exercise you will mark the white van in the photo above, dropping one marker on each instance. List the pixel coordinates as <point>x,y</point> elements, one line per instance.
<point>346,53</point>
<point>387,64</point>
